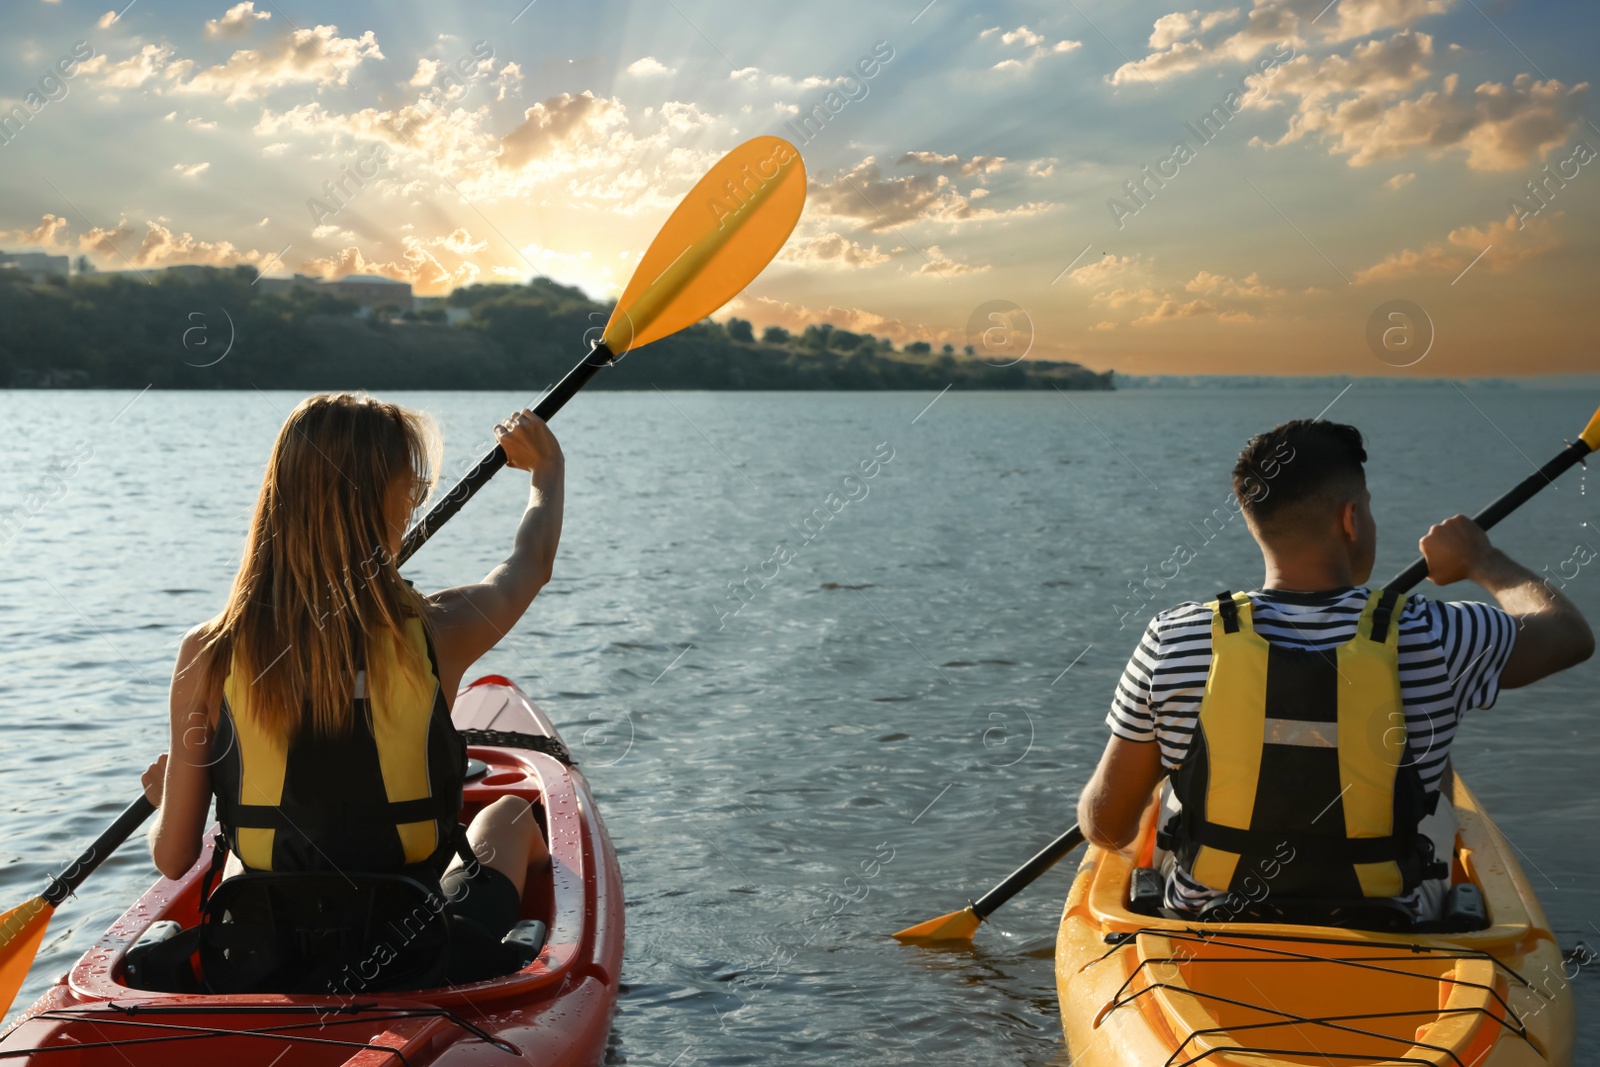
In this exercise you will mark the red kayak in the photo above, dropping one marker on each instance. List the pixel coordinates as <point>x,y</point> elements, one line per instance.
<point>556,1010</point>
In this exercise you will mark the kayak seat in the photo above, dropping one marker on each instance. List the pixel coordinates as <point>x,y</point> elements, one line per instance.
<point>161,960</point>
<point>527,938</point>
<point>1146,891</point>
<point>305,932</point>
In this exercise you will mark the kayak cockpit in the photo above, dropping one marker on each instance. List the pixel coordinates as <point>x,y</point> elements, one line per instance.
<point>1258,989</point>
<point>557,1008</point>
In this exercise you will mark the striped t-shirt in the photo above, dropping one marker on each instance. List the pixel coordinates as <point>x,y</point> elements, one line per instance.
<point>1451,656</point>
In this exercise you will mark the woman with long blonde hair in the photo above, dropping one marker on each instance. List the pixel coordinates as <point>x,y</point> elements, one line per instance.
<point>316,706</point>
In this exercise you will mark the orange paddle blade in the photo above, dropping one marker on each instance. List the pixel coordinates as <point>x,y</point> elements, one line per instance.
<point>1591,432</point>
<point>718,239</point>
<point>21,932</point>
<point>957,926</point>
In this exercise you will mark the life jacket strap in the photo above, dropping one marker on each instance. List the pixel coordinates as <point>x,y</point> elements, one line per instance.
<point>1337,849</point>
<point>1229,611</point>
<point>219,859</point>
<point>1382,612</point>
<point>268,817</point>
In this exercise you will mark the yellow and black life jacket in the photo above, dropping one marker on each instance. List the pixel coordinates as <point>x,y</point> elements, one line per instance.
<point>1298,773</point>
<point>386,797</point>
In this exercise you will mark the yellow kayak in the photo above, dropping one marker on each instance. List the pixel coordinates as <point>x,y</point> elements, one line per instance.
<point>1139,990</point>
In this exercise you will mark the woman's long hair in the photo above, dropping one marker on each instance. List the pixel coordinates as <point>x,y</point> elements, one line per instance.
<point>317,585</point>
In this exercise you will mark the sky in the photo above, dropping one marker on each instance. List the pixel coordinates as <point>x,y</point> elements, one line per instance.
<point>1267,187</point>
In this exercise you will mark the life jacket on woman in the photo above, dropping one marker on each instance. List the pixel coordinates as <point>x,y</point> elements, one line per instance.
<point>1298,775</point>
<point>384,798</point>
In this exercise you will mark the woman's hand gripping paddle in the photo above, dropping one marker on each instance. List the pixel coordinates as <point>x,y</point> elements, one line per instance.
<point>720,237</point>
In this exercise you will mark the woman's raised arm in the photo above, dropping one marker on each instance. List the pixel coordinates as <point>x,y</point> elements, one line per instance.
<point>469,620</point>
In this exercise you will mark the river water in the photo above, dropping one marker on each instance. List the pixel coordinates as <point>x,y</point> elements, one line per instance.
<point>906,711</point>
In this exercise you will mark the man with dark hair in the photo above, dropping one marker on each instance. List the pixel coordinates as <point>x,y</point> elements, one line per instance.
<point>1306,726</point>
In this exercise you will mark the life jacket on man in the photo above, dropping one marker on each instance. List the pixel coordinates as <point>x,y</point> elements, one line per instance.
<point>344,839</point>
<point>1298,776</point>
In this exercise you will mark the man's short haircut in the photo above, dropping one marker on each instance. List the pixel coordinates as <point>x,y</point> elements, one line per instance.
<point>1297,463</point>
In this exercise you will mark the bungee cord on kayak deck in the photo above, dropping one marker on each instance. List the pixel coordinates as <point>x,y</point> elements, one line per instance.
<point>1267,954</point>
<point>113,1014</point>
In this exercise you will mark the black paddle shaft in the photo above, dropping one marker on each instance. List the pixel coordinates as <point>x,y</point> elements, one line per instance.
<point>132,817</point>
<point>1019,879</point>
<point>1519,495</point>
<point>576,378</point>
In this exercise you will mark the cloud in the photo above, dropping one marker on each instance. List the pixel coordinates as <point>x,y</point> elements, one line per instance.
<point>1033,44</point>
<point>416,265</point>
<point>831,250</point>
<point>316,56</point>
<point>43,235</point>
<point>1106,325</point>
<point>1104,269</point>
<point>647,67</point>
<point>1042,168</point>
<point>1183,42</point>
<point>1376,68</point>
<point>236,21</point>
<point>1399,181</point>
<point>1360,18</point>
<point>1179,48</point>
<point>460,242</point>
<point>559,122</point>
<point>784,81</point>
<point>1212,293</point>
<point>1252,287</point>
<point>979,165</point>
<point>105,241</point>
<point>864,194</point>
<point>160,246</point>
<point>1178,26</point>
<point>1119,298</point>
<point>588,151</point>
<point>1498,127</point>
<point>427,70</point>
<point>105,21</point>
<point>1508,246</point>
<point>508,81</point>
<point>936,262</point>
<point>200,124</point>
<point>1193,309</point>
<point>191,170</point>
<point>130,73</point>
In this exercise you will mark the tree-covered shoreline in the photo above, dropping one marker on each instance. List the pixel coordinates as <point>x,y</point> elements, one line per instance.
<point>215,330</point>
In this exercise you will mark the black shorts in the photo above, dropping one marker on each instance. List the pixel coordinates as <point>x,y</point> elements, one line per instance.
<point>483,896</point>
<point>481,905</point>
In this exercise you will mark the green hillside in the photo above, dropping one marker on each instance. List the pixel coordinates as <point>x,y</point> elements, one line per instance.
<point>123,331</point>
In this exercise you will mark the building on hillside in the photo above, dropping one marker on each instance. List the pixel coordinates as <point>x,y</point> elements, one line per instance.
<point>371,292</point>
<point>39,265</point>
